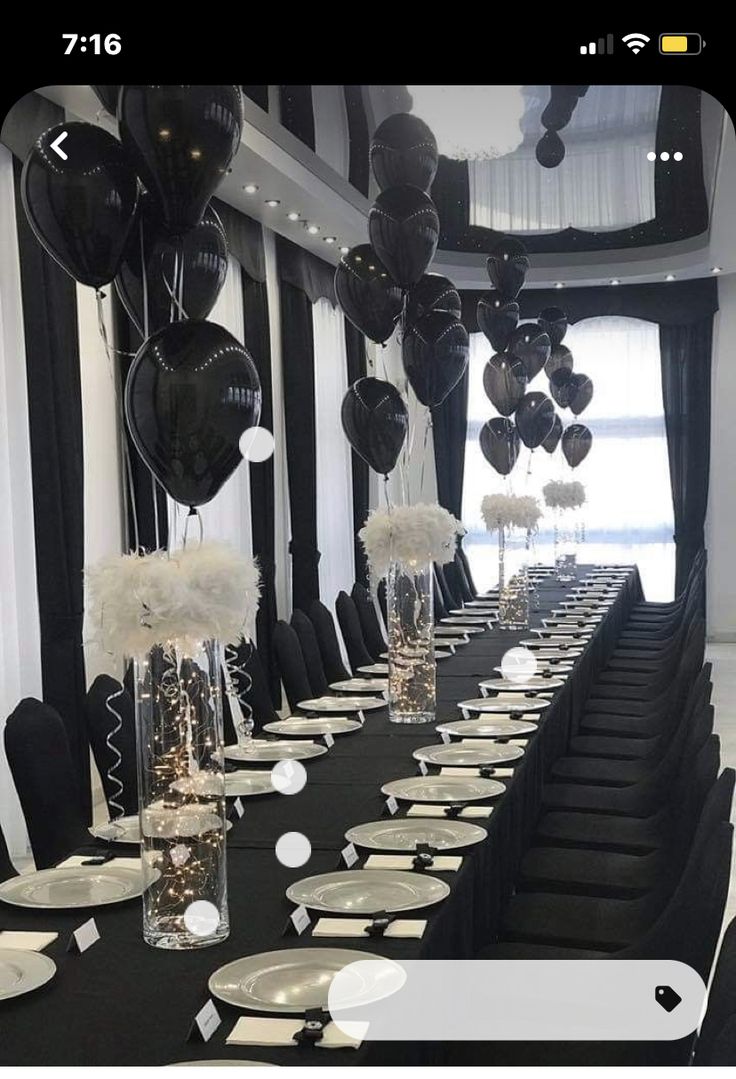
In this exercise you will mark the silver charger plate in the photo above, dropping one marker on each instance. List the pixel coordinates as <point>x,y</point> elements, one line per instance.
<point>465,619</point>
<point>459,756</point>
<point>487,728</point>
<point>453,642</point>
<point>68,889</point>
<point>248,784</point>
<point>482,604</point>
<point>504,704</point>
<point>548,663</point>
<point>443,788</point>
<point>341,704</point>
<point>438,652</point>
<point>275,751</point>
<point>222,1064</point>
<point>360,891</point>
<point>360,685</point>
<point>403,833</point>
<point>293,980</point>
<point>23,971</point>
<point>305,726</point>
<point>567,645</point>
<point>529,685</point>
<point>374,668</point>
<point>562,633</point>
<point>457,625</point>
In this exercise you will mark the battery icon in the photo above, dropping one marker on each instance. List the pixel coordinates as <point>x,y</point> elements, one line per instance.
<point>681,44</point>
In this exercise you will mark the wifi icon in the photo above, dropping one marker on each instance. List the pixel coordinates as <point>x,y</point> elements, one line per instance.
<point>635,42</point>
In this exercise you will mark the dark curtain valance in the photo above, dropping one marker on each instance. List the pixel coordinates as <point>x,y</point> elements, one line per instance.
<point>245,239</point>
<point>305,271</point>
<point>670,303</point>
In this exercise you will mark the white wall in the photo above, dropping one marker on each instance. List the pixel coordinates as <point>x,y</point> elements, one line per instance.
<point>720,526</point>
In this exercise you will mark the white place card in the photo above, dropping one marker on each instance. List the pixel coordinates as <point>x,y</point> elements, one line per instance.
<point>441,863</point>
<point>361,718</point>
<point>445,737</point>
<point>238,808</point>
<point>465,713</point>
<point>423,768</point>
<point>272,1032</point>
<point>328,740</point>
<point>349,855</point>
<point>206,1022</point>
<point>84,937</point>
<point>408,928</point>
<point>27,942</point>
<point>300,919</point>
<point>523,742</point>
<point>392,805</point>
<point>422,809</point>
<point>496,773</point>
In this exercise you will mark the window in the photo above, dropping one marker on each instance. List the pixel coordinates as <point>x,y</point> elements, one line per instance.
<point>628,514</point>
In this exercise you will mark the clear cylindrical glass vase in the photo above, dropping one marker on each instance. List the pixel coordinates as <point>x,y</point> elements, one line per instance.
<point>513,596</point>
<point>411,662</point>
<point>565,544</point>
<point>181,794</point>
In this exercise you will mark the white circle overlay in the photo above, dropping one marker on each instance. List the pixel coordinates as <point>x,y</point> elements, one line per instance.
<point>518,664</point>
<point>201,918</point>
<point>256,444</point>
<point>293,849</point>
<point>289,777</point>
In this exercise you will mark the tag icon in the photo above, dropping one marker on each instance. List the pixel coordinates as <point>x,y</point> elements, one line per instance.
<point>666,997</point>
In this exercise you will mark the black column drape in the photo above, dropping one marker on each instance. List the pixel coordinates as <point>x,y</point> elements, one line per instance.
<point>258,343</point>
<point>297,112</point>
<point>257,94</point>
<point>356,362</point>
<point>358,168</point>
<point>449,425</point>
<point>686,363</point>
<point>297,350</point>
<point>57,462</point>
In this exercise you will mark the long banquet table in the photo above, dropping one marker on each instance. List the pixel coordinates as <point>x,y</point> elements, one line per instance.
<point>125,1003</point>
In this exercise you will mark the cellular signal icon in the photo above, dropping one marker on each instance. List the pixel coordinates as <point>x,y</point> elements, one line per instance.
<point>635,42</point>
<point>602,47</point>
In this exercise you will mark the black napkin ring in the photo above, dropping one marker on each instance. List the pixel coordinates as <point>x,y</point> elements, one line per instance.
<point>315,1021</point>
<point>380,922</point>
<point>424,857</point>
<point>486,771</point>
<point>455,809</point>
<point>100,859</point>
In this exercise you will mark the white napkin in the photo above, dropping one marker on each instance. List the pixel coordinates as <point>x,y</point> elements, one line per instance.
<point>484,742</point>
<point>267,1032</point>
<point>27,942</point>
<point>356,927</point>
<point>497,773</point>
<point>424,810</point>
<point>122,863</point>
<point>518,742</point>
<point>442,863</point>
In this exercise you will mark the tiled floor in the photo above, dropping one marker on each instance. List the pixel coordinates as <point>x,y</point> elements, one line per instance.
<point>723,658</point>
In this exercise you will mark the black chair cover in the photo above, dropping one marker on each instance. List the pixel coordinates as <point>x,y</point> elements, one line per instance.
<point>251,687</point>
<point>40,762</point>
<point>109,706</point>
<point>7,869</point>
<point>450,600</point>
<point>372,632</point>
<point>310,650</point>
<point>324,628</point>
<point>291,664</point>
<point>347,616</point>
<point>461,577</point>
<point>716,1044</point>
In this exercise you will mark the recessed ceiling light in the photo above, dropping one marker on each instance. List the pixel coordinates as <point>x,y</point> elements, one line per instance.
<point>293,215</point>
<point>313,229</point>
<point>329,239</point>
<point>615,281</point>
<point>250,189</point>
<point>344,250</point>
<point>715,269</point>
<point>559,284</point>
<point>273,202</point>
<point>669,277</point>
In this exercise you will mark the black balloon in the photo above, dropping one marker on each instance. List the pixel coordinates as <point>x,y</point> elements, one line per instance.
<point>404,229</point>
<point>504,380</point>
<point>433,293</point>
<point>550,150</point>
<point>81,209</point>
<point>203,261</point>
<point>375,420</point>
<point>561,386</point>
<point>182,140</point>
<point>191,391</point>
<point>499,443</point>
<point>497,318</point>
<point>435,355</point>
<point>582,393</point>
<point>535,418</point>
<point>559,357</point>
<point>553,321</point>
<point>551,442</point>
<point>367,293</point>
<point>507,267</point>
<point>404,151</point>
<point>576,443</point>
<point>108,96</point>
<point>530,344</point>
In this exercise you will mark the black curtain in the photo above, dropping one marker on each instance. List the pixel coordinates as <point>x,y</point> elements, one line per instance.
<point>257,94</point>
<point>258,342</point>
<point>356,362</point>
<point>57,461</point>
<point>449,426</point>
<point>358,168</point>
<point>297,112</point>
<point>297,349</point>
<point>686,362</point>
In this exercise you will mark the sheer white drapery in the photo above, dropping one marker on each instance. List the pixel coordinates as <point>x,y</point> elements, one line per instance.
<point>20,646</point>
<point>628,514</point>
<point>334,471</point>
<point>604,182</point>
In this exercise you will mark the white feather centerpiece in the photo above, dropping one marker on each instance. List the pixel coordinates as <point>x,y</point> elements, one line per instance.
<point>138,601</point>
<point>559,494</point>
<point>409,536</point>
<point>510,511</point>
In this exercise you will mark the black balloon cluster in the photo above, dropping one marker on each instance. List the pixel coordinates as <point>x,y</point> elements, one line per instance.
<point>385,284</point>
<point>568,390</point>
<point>550,151</point>
<point>137,212</point>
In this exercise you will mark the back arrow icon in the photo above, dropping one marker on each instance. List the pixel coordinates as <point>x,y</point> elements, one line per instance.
<point>56,144</point>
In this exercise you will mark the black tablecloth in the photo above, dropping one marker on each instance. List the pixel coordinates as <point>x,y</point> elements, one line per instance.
<point>125,1003</point>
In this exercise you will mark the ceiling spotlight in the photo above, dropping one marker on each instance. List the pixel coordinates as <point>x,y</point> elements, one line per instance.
<point>329,239</point>
<point>559,284</point>
<point>669,277</point>
<point>344,250</point>
<point>715,269</point>
<point>615,281</point>
<point>273,202</point>
<point>293,215</point>
<point>312,229</point>
<point>250,189</point>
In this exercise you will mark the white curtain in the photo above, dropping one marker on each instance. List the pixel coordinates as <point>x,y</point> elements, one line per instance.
<point>628,514</point>
<point>20,648</point>
<point>334,473</point>
<point>604,182</point>
<point>227,516</point>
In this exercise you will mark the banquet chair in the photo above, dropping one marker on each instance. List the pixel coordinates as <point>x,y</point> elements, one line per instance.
<point>108,706</point>
<point>468,573</point>
<point>441,612</point>
<point>372,630</point>
<point>352,634</point>
<point>291,665</point>
<point>251,687</point>
<point>310,650</point>
<point>40,761</point>
<point>716,1041</point>
<point>7,869</point>
<point>459,576</point>
<point>329,646</point>
<point>449,599</point>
